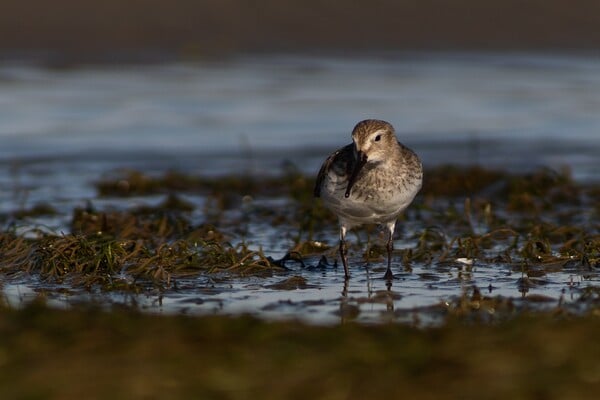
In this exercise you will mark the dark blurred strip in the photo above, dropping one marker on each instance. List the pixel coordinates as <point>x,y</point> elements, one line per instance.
<point>129,29</point>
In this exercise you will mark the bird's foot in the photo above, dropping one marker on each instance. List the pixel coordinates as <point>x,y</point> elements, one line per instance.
<point>388,275</point>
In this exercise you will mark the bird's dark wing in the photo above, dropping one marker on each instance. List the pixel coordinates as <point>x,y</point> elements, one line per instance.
<point>340,162</point>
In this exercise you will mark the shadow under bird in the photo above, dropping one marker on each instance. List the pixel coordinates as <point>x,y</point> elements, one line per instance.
<point>370,181</point>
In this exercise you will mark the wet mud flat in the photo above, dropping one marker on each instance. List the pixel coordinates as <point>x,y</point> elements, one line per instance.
<point>181,285</point>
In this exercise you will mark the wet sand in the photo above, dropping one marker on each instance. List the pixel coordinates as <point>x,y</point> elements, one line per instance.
<point>71,31</point>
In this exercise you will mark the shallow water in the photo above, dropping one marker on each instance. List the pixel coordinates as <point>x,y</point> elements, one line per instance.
<point>62,130</point>
<point>422,296</point>
<point>499,109</point>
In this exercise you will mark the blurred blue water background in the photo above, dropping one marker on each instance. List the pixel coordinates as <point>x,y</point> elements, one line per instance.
<point>508,110</point>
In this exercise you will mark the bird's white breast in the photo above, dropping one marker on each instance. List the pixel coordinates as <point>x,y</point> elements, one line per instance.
<point>368,203</point>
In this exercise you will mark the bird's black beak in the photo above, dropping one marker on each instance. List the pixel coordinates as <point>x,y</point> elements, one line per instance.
<point>359,162</point>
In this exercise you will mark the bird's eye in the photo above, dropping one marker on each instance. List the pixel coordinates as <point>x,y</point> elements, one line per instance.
<point>377,138</point>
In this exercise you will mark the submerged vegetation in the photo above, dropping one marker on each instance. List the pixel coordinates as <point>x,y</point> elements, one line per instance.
<point>533,223</point>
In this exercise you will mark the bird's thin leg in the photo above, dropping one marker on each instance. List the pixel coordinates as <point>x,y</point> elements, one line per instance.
<point>390,247</point>
<point>343,251</point>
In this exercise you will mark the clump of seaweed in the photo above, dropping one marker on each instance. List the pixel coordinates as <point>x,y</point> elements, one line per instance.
<point>36,210</point>
<point>542,190</point>
<point>453,181</point>
<point>135,183</point>
<point>143,223</point>
<point>100,258</point>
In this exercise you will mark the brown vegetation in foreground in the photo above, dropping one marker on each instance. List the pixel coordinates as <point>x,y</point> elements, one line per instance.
<point>93,354</point>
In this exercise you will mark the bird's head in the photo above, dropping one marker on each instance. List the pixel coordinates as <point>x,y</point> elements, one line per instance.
<point>373,140</point>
